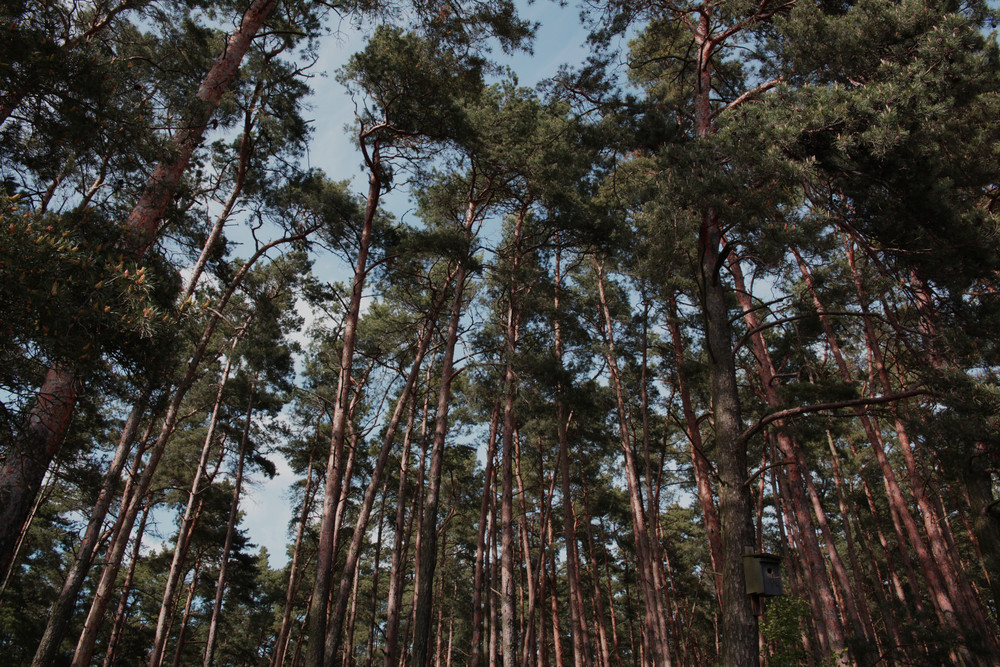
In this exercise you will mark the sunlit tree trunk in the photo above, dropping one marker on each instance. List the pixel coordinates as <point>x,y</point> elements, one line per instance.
<point>699,462</point>
<point>188,521</point>
<point>364,512</point>
<point>509,641</point>
<point>428,523</point>
<point>825,606</point>
<point>126,520</point>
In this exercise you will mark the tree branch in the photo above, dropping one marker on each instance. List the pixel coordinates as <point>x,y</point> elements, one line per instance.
<point>805,409</point>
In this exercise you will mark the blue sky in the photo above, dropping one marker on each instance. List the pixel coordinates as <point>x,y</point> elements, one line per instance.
<point>561,39</point>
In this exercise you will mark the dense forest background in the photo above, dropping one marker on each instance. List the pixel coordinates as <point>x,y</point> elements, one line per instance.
<point>543,372</point>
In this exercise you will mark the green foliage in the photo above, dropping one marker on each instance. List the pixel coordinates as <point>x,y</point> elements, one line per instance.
<point>71,294</point>
<point>784,620</point>
<point>404,79</point>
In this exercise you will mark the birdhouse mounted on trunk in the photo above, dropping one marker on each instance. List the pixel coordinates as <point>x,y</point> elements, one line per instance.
<point>763,574</point>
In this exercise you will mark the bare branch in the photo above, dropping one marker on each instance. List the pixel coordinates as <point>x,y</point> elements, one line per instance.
<point>806,409</point>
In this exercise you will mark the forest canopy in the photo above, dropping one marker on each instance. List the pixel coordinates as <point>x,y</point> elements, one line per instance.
<point>547,377</point>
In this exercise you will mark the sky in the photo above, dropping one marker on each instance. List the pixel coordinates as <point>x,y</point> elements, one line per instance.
<point>560,39</point>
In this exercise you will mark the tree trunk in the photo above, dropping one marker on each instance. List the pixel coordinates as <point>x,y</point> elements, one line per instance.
<point>658,651</point>
<point>400,543</point>
<point>936,585</point>
<point>509,641</point>
<point>428,523</point>
<point>118,626</point>
<point>578,626</point>
<point>32,450</point>
<point>186,614</point>
<point>797,476</point>
<point>478,580</point>
<point>699,461</point>
<point>281,644</point>
<point>334,469</point>
<point>234,508</point>
<point>739,625</point>
<point>30,453</point>
<point>187,523</point>
<point>360,526</point>
<point>376,575</point>
<point>62,608</point>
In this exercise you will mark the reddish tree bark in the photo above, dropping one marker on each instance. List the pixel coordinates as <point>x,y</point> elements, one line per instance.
<point>658,651</point>
<point>700,465</point>
<point>281,644</point>
<point>479,573</point>
<point>388,438</point>
<point>825,606</point>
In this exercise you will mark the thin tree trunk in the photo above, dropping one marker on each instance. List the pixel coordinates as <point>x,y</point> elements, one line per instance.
<point>491,587</point>
<point>220,586</point>
<point>797,476</point>
<point>61,610</point>
<point>317,654</point>
<point>699,461</point>
<point>656,558</point>
<point>186,614</point>
<point>400,543</point>
<point>529,642</point>
<point>118,626</point>
<point>578,627</point>
<point>557,648</point>
<point>376,575</point>
<point>348,656</point>
<point>187,523</point>
<point>281,644</point>
<point>478,582</point>
<point>597,608</point>
<point>360,526</point>
<point>658,651</point>
<point>428,524</point>
<point>937,587</point>
<point>86,643</point>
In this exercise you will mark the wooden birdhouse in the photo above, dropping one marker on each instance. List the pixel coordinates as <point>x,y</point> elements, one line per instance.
<point>763,574</point>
